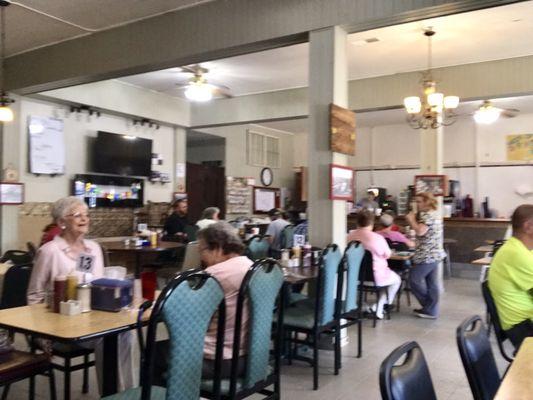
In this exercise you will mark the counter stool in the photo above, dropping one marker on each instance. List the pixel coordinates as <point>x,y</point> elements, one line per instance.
<point>447,260</point>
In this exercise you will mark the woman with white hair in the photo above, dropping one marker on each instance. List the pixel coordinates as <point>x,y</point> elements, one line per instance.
<point>209,216</point>
<point>70,253</point>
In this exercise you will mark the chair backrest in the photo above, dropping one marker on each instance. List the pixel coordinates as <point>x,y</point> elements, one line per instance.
<point>32,249</point>
<point>366,272</point>
<point>410,380</point>
<point>258,247</point>
<point>186,306</point>
<point>17,257</point>
<point>501,336</point>
<point>191,231</point>
<point>478,359</point>
<point>192,256</point>
<point>261,287</point>
<point>105,255</point>
<point>353,257</point>
<point>287,237</point>
<point>15,286</point>
<point>327,279</point>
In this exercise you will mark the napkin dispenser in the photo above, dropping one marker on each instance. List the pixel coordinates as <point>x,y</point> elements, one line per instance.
<point>111,294</point>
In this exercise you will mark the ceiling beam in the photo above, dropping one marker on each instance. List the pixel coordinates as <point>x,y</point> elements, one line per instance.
<point>210,31</point>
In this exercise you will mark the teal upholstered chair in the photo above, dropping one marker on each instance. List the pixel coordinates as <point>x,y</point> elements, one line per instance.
<point>186,306</point>
<point>257,247</point>
<point>287,237</point>
<point>350,309</point>
<point>317,316</point>
<point>261,288</point>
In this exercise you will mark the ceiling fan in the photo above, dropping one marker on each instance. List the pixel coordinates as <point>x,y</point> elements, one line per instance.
<point>198,88</point>
<point>487,113</point>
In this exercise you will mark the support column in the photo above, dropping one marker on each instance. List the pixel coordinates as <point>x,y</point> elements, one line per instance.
<point>431,163</point>
<point>180,159</point>
<point>328,83</point>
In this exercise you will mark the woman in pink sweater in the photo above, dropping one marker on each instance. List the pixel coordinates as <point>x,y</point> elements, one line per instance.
<point>377,245</point>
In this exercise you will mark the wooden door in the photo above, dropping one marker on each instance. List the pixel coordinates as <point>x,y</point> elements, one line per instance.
<point>205,188</point>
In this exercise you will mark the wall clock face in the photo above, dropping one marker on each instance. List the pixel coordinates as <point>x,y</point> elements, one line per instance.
<point>267,176</point>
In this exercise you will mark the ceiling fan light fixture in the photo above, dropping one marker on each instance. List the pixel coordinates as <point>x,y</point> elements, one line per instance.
<point>487,115</point>
<point>199,92</point>
<point>6,114</point>
<point>451,102</point>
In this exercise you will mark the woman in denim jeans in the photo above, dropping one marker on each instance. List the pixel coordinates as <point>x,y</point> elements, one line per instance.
<point>428,254</point>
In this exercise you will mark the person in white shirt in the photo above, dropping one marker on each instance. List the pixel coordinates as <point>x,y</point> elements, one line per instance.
<point>209,216</point>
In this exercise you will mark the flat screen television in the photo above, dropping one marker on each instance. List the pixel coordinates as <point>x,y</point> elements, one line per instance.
<point>122,154</point>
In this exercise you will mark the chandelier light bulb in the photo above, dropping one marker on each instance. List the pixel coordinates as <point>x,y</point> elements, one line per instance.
<point>451,102</point>
<point>436,100</point>
<point>412,104</point>
<point>199,92</point>
<point>6,114</point>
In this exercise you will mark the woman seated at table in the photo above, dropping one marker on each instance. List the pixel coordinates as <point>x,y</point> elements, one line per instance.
<point>209,216</point>
<point>386,221</point>
<point>70,253</point>
<point>377,245</point>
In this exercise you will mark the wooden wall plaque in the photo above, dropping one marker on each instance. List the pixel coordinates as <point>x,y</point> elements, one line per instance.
<point>342,130</point>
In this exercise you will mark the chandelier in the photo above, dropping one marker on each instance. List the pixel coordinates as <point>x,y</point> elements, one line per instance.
<point>433,109</point>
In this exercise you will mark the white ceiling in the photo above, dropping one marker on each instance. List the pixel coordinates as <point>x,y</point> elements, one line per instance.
<point>495,33</point>
<point>28,28</point>
<point>397,116</point>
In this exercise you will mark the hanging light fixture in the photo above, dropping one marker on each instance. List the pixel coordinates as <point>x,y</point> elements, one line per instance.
<point>6,114</point>
<point>424,112</point>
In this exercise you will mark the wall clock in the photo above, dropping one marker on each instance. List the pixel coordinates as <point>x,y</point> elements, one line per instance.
<point>267,176</point>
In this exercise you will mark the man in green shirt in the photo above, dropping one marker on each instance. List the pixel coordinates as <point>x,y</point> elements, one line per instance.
<point>511,278</point>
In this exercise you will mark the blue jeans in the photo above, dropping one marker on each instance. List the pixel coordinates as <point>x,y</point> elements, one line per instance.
<point>423,280</point>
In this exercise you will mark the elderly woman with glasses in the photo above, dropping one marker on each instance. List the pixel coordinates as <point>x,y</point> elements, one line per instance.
<point>70,253</point>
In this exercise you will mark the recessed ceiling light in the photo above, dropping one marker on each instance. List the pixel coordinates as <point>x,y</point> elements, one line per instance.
<point>516,20</point>
<point>363,42</point>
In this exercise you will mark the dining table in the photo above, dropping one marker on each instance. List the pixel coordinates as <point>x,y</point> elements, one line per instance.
<point>517,384</point>
<point>39,321</point>
<point>129,248</point>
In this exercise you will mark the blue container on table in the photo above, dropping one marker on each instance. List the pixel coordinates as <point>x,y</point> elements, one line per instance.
<point>111,294</point>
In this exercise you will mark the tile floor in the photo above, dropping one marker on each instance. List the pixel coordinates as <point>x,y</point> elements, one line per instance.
<point>358,378</point>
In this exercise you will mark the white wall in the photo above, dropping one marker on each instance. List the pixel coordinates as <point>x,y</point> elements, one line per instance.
<point>236,164</point>
<point>77,130</point>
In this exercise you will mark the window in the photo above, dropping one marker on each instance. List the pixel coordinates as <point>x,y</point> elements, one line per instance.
<point>263,150</point>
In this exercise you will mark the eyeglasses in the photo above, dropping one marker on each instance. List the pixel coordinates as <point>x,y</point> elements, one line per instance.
<point>79,215</point>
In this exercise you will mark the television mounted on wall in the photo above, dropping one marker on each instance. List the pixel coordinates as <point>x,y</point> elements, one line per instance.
<point>122,154</point>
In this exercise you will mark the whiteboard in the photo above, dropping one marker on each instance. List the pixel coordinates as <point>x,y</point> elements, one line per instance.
<point>47,145</point>
<point>264,200</point>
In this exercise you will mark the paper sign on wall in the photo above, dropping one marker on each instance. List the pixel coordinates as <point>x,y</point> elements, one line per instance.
<point>47,145</point>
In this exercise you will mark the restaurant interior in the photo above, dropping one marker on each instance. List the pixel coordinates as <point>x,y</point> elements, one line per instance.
<point>243,124</point>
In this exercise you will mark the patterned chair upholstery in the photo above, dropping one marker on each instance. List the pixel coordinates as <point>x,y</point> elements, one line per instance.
<point>186,306</point>
<point>350,310</point>
<point>260,288</point>
<point>314,317</point>
<point>287,237</point>
<point>257,247</point>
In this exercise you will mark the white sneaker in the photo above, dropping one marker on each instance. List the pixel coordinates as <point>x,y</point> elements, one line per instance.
<point>426,316</point>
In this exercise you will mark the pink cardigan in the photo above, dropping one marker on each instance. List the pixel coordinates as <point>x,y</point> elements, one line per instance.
<point>377,245</point>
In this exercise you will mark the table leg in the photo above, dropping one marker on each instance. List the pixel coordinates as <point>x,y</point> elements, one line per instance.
<point>110,365</point>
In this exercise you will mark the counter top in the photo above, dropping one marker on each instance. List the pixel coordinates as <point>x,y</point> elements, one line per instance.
<point>463,219</point>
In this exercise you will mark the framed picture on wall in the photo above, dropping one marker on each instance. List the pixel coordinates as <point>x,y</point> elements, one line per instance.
<point>435,184</point>
<point>11,193</point>
<point>341,182</point>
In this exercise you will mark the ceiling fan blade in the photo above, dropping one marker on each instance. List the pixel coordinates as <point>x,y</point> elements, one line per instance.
<point>509,112</point>
<point>219,90</point>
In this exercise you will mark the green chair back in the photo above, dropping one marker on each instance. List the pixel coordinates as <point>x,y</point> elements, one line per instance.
<point>258,247</point>
<point>353,256</point>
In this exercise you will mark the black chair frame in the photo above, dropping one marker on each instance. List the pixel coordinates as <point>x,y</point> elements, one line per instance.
<point>355,316</point>
<point>196,279</point>
<point>313,334</point>
<point>366,274</point>
<point>274,377</point>
<point>501,337</point>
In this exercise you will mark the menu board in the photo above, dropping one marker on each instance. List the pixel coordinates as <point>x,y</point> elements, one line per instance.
<point>47,146</point>
<point>238,196</point>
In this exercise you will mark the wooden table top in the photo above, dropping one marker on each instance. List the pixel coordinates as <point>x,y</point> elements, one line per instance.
<point>161,246</point>
<point>484,249</point>
<point>482,261</point>
<point>295,275</point>
<point>37,319</point>
<point>518,382</point>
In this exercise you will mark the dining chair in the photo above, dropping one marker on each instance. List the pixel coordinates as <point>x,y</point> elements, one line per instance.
<point>257,247</point>
<point>191,260</point>
<point>410,380</point>
<point>17,365</point>
<point>351,306</point>
<point>17,257</point>
<point>367,283</point>
<point>318,316</point>
<point>287,237</point>
<point>501,337</point>
<point>186,306</point>
<point>478,359</point>
<point>15,286</point>
<point>261,289</point>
